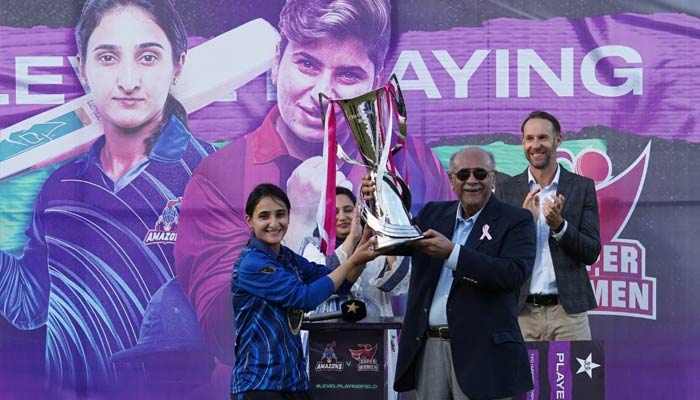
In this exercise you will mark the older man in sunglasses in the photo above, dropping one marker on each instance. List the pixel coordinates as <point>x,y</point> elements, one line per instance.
<point>460,338</point>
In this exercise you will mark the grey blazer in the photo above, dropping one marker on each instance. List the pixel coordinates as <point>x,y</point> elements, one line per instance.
<point>580,245</point>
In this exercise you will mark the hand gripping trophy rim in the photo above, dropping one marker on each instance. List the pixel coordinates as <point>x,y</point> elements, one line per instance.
<point>365,115</point>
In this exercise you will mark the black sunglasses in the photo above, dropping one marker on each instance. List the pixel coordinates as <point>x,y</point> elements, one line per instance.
<point>463,174</point>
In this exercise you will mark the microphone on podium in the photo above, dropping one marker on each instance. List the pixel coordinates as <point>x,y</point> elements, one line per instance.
<point>350,311</point>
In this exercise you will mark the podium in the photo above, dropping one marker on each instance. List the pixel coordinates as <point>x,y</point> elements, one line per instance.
<point>347,359</point>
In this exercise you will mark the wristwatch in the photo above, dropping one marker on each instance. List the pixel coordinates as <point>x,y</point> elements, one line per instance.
<point>559,228</point>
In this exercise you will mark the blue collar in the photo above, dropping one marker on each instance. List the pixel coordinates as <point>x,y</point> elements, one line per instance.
<point>259,245</point>
<point>285,259</point>
<point>169,147</point>
<point>474,217</point>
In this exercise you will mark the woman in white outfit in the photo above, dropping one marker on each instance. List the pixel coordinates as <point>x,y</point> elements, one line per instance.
<point>382,277</point>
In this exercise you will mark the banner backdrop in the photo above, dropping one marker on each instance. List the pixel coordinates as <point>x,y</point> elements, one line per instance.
<point>620,76</point>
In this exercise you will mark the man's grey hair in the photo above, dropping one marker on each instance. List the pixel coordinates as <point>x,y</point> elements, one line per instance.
<point>492,158</point>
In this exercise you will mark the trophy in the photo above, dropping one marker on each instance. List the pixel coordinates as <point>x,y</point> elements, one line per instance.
<point>370,118</point>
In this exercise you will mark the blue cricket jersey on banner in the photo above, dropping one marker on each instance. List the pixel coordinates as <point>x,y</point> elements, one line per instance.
<point>97,252</point>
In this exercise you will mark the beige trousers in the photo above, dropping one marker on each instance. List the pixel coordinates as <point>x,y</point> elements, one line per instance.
<point>545,323</point>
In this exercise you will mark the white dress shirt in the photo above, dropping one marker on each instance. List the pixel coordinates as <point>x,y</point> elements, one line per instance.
<point>544,281</point>
<point>438,308</point>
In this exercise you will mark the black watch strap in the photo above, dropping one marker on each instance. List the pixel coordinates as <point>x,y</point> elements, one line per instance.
<point>560,227</point>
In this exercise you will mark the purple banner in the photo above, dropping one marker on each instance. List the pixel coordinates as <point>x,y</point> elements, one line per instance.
<point>587,72</point>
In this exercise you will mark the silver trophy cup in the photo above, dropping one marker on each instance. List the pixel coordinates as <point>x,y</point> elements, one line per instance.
<point>373,119</point>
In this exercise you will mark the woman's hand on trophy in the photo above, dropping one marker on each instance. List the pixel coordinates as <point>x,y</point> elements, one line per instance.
<point>356,225</point>
<point>366,250</point>
<point>353,238</point>
<point>367,234</point>
<point>368,188</point>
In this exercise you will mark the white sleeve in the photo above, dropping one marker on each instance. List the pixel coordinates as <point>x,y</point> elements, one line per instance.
<point>310,251</point>
<point>396,280</point>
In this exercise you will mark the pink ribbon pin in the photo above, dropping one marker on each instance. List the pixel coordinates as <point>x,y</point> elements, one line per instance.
<point>485,233</point>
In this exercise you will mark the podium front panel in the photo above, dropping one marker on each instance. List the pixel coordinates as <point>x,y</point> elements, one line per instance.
<point>348,363</point>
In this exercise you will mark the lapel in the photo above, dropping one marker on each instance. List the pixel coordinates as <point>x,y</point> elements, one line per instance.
<point>445,224</point>
<point>447,220</point>
<point>522,186</point>
<point>565,185</point>
<point>489,215</point>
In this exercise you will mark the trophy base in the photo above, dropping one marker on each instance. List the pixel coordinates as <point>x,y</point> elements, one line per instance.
<point>386,242</point>
<point>391,235</point>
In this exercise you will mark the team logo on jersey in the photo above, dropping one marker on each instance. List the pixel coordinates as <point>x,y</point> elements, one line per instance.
<point>365,357</point>
<point>329,361</point>
<point>165,230</point>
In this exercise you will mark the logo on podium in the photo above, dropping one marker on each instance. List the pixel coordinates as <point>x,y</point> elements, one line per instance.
<point>365,357</point>
<point>329,361</point>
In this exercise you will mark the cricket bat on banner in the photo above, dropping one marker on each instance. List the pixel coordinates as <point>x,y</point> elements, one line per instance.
<point>212,70</point>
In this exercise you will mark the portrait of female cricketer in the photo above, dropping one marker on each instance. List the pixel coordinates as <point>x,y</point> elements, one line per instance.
<point>335,47</point>
<point>88,270</point>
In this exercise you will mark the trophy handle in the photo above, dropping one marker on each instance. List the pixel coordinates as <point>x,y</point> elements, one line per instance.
<point>397,96</point>
<point>394,91</point>
<point>405,191</point>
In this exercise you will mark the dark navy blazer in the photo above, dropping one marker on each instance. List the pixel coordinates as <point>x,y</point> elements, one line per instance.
<point>488,351</point>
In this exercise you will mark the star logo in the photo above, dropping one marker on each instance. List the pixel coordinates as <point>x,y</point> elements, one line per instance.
<point>587,366</point>
<point>352,307</point>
